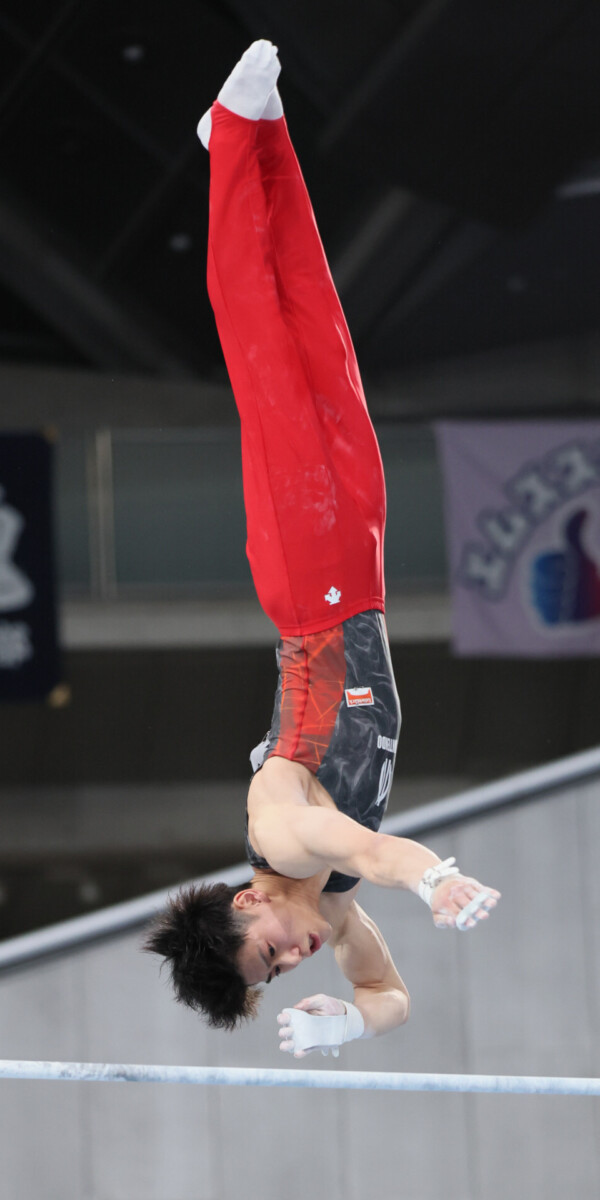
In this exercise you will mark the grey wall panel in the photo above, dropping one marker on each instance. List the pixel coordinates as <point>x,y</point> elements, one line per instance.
<point>519,995</point>
<point>280,1146</point>
<point>143,1147</point>
<point>160,1146</point>
<point>540,1147</point>
<point>43,1139</point>
<point>424,1153</point>
<point>524,975</point>
<point>589,832</point>
<point>44,1144</point>
<point>589,839</point>
<point>41,1012</point>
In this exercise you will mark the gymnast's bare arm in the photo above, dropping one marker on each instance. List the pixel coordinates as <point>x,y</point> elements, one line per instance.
<point>364,958</point>
<point>300,832</point>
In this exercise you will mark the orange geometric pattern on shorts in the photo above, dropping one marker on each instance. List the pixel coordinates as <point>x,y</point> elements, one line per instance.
<point>313,673</point>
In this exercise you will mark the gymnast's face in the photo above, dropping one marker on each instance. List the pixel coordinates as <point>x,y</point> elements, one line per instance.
<point>281,934</point>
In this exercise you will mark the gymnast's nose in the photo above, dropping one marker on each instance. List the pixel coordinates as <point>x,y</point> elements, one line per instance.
<point>290,958</point>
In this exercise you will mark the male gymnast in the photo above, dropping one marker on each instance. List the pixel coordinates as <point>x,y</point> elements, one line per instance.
<point>315,506</point>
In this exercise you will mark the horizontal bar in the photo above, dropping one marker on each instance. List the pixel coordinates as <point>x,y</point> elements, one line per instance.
<point>132,914</point>
<point>264,1077</point>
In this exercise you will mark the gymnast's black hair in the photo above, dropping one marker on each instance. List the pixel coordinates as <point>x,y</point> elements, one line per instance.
<point>199,934</point>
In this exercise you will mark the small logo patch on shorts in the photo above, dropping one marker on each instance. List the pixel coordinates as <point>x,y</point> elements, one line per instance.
<point>355,696</point>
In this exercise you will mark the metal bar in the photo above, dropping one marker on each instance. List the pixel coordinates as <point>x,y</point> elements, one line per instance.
<point>389,1081</point>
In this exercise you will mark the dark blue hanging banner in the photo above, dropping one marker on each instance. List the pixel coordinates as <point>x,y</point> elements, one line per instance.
<point>29,653</point>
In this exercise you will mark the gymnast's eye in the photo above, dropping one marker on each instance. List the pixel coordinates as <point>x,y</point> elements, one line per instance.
<point>272,951</point>
<point>278,970</point>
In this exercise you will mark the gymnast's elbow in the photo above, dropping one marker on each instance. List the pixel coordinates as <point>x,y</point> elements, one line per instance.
<point>383,1010</point>
<point>398,999</point>
<point>394,1010</point>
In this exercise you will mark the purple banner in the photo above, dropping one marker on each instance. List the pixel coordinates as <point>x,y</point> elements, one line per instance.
<point>522,516</point>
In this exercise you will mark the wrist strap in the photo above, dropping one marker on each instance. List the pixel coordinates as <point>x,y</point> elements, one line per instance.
<point>434,875</point>
<point>355,1025</point>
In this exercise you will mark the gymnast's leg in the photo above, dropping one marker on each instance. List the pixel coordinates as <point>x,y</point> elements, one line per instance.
<point>312,474</point>
<point>313,312</point>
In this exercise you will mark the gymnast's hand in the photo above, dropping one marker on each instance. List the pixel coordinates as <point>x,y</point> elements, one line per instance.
<point>297,1032</point>
<point>459,903</point>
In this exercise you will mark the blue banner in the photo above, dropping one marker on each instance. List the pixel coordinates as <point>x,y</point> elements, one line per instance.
<point>29,653</point>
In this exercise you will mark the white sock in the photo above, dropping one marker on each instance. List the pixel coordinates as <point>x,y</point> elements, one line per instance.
<point>250,90</point>
<point>204,129</point>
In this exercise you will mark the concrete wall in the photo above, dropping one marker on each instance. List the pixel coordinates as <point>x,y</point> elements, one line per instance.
<point>520,995</point>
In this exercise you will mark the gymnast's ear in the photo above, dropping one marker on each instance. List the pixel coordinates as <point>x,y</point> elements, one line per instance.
<point>250,898</point>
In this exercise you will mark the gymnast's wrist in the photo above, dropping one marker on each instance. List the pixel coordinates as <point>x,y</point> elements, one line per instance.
<point>435,875</point>
<point>355,1023</point>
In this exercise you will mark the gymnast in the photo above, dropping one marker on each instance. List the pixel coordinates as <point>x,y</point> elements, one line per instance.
<point>315,506</point>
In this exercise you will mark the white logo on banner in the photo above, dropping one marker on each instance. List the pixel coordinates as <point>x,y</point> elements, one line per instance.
<point>536,492</point>
<point>15,588</point>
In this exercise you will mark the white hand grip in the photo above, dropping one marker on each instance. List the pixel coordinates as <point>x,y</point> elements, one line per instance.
<point>310,1032</point>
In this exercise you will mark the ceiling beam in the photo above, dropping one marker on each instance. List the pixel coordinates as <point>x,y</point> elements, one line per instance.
<point>459,245</point>
<point>62,295</point>
<point>385,66</point>
<point>394,262</point>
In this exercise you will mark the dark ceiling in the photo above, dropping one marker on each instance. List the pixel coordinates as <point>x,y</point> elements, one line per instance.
<point>450,149</point>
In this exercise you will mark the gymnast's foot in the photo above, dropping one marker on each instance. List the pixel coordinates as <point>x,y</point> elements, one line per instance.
<point>250,90</point>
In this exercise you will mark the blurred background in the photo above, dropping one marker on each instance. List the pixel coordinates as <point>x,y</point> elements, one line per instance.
<point>452,153</point>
